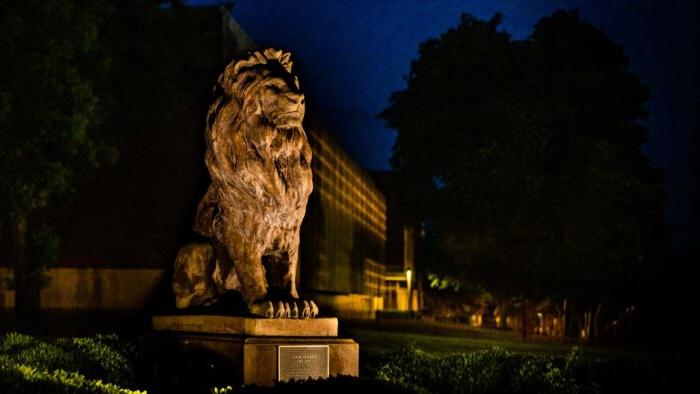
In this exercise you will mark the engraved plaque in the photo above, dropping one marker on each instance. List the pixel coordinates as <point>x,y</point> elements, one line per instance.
<point>301,362</point>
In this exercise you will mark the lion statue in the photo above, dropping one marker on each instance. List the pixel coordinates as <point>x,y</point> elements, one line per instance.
<point>259,160</point>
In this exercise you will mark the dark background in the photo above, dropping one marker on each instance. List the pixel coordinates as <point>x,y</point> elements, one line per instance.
<point>353,54</point>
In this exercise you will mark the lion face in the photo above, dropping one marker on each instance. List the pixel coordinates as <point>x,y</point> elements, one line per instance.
<point>263,86</point>
<point>281,102</point>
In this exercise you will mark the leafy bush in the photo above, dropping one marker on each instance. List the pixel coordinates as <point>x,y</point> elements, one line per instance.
<point>490,371</point>
<point>96,358</point>
<point>80,363</point>
<point>21,379</point>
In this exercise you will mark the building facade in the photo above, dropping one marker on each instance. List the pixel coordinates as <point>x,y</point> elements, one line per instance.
<point>400,292</point>
<point>343,236</point>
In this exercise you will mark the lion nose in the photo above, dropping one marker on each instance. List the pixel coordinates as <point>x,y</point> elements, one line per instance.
<point>296,98</point>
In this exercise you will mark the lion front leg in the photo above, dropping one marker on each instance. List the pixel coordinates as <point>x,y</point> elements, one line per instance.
<point>253,285</point>
<point>276,301</point>
<point>306,308</point>
<point>254,288</point>
<point>267,285</point>
<point>280,269</point>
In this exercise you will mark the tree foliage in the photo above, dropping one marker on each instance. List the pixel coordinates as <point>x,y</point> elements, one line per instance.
<point>49,117</point>
<point>525,157</point>
<point>49,106</point>
<point>79,81</point>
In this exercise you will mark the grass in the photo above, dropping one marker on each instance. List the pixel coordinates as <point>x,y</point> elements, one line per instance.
<point>375,343</point>
<point>419,360</point>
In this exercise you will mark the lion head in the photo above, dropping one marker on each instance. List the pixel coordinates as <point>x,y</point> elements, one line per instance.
<point>262,86</point>
<point>260,107</point>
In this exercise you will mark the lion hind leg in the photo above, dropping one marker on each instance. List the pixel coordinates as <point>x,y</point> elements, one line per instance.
<point>192,280</point>
<point>224,275</point>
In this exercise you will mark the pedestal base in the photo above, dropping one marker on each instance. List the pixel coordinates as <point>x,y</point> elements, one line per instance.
<point>237,325</point>
<point>179,358</point>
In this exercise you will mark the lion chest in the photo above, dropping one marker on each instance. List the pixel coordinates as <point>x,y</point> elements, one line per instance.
<point>273,193</point>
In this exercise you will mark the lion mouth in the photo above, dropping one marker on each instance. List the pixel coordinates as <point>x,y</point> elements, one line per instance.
<point>287,119</point>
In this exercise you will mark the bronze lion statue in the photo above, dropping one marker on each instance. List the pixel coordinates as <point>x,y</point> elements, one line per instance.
<point>259,160</point>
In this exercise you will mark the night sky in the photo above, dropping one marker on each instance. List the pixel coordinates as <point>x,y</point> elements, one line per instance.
<point>351,55</point>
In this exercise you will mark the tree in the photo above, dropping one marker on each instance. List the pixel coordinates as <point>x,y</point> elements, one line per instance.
<point>49,117</point>
<point>525,156</point>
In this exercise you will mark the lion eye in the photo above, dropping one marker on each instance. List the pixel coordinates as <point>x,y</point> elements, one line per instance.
<point>276,85</point>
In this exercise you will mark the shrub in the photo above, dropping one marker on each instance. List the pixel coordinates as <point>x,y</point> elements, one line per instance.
<point>486,371</point>
<point>95,359</point>
<point>20,379</point>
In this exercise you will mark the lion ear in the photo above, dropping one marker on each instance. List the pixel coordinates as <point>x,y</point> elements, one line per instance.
<point>261,58</point>
<point>228,76</point>
<point>286,61</point>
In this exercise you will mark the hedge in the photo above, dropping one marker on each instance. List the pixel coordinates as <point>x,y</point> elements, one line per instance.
<point>66,365</point>
<point>21,379</point>
<point>499,371</point>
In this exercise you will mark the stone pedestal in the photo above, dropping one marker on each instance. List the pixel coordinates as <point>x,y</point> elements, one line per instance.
<point>229,350</point>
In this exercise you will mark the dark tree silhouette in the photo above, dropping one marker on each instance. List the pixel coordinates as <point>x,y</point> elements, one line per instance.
<point>79,81</point>
<point>525,156</point>
<point>48,118</point>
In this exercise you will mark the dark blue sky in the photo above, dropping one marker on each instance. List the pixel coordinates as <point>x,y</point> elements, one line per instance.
<point>352,54</point>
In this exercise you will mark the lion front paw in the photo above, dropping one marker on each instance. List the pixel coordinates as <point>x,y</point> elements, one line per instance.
<point>262,309</point>
<point>309,310</point>
<point>284,310</point>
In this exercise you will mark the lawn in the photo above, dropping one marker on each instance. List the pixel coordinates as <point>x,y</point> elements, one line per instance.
<point>453,363</point>
<point>376,343</point>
